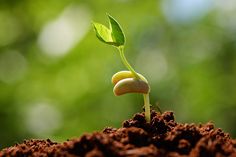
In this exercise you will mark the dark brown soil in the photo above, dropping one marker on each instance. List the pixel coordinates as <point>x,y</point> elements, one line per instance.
<point>163,137</point>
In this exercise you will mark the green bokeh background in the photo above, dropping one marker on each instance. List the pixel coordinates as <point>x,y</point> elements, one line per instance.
<point>55,75</point>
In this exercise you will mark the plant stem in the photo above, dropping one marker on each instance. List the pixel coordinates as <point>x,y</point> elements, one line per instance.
<point>126,63</point>
<point>147,107</point>
<point>145,96</point>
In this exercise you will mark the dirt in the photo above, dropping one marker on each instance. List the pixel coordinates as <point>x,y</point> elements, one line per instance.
<point>163,137</point>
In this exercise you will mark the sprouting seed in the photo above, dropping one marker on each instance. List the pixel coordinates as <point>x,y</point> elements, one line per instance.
<point>124,81</point>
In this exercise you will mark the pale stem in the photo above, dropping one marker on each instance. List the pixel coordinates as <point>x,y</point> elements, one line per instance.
<point>145,96</point>
<point>147,107</point>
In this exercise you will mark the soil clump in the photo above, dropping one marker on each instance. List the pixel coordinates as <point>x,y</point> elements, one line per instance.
<point>162,137</point>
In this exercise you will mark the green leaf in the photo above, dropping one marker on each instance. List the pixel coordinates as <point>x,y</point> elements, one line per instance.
<point>111,36</point>
<point>102,32</point>
<point>116,31</point>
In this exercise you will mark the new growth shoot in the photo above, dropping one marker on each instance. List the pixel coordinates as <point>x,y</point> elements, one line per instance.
<point>124,81</point>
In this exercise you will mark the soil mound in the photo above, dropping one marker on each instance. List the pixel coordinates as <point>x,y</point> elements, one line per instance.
<point>163,137</point>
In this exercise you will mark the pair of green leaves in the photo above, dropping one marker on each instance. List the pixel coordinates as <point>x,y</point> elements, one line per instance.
<point>112,35</point>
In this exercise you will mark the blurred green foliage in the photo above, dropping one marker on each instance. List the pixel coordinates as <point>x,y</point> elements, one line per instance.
<point>55,75</point>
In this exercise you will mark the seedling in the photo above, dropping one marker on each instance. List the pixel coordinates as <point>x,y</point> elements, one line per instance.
<point>124,81</point>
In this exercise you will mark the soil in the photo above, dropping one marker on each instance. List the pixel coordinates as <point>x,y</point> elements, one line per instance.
<point>163,137</point>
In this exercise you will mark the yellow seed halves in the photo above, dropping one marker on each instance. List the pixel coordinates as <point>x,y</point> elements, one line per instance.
<point>125,74</point>
<point>131,85</point>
